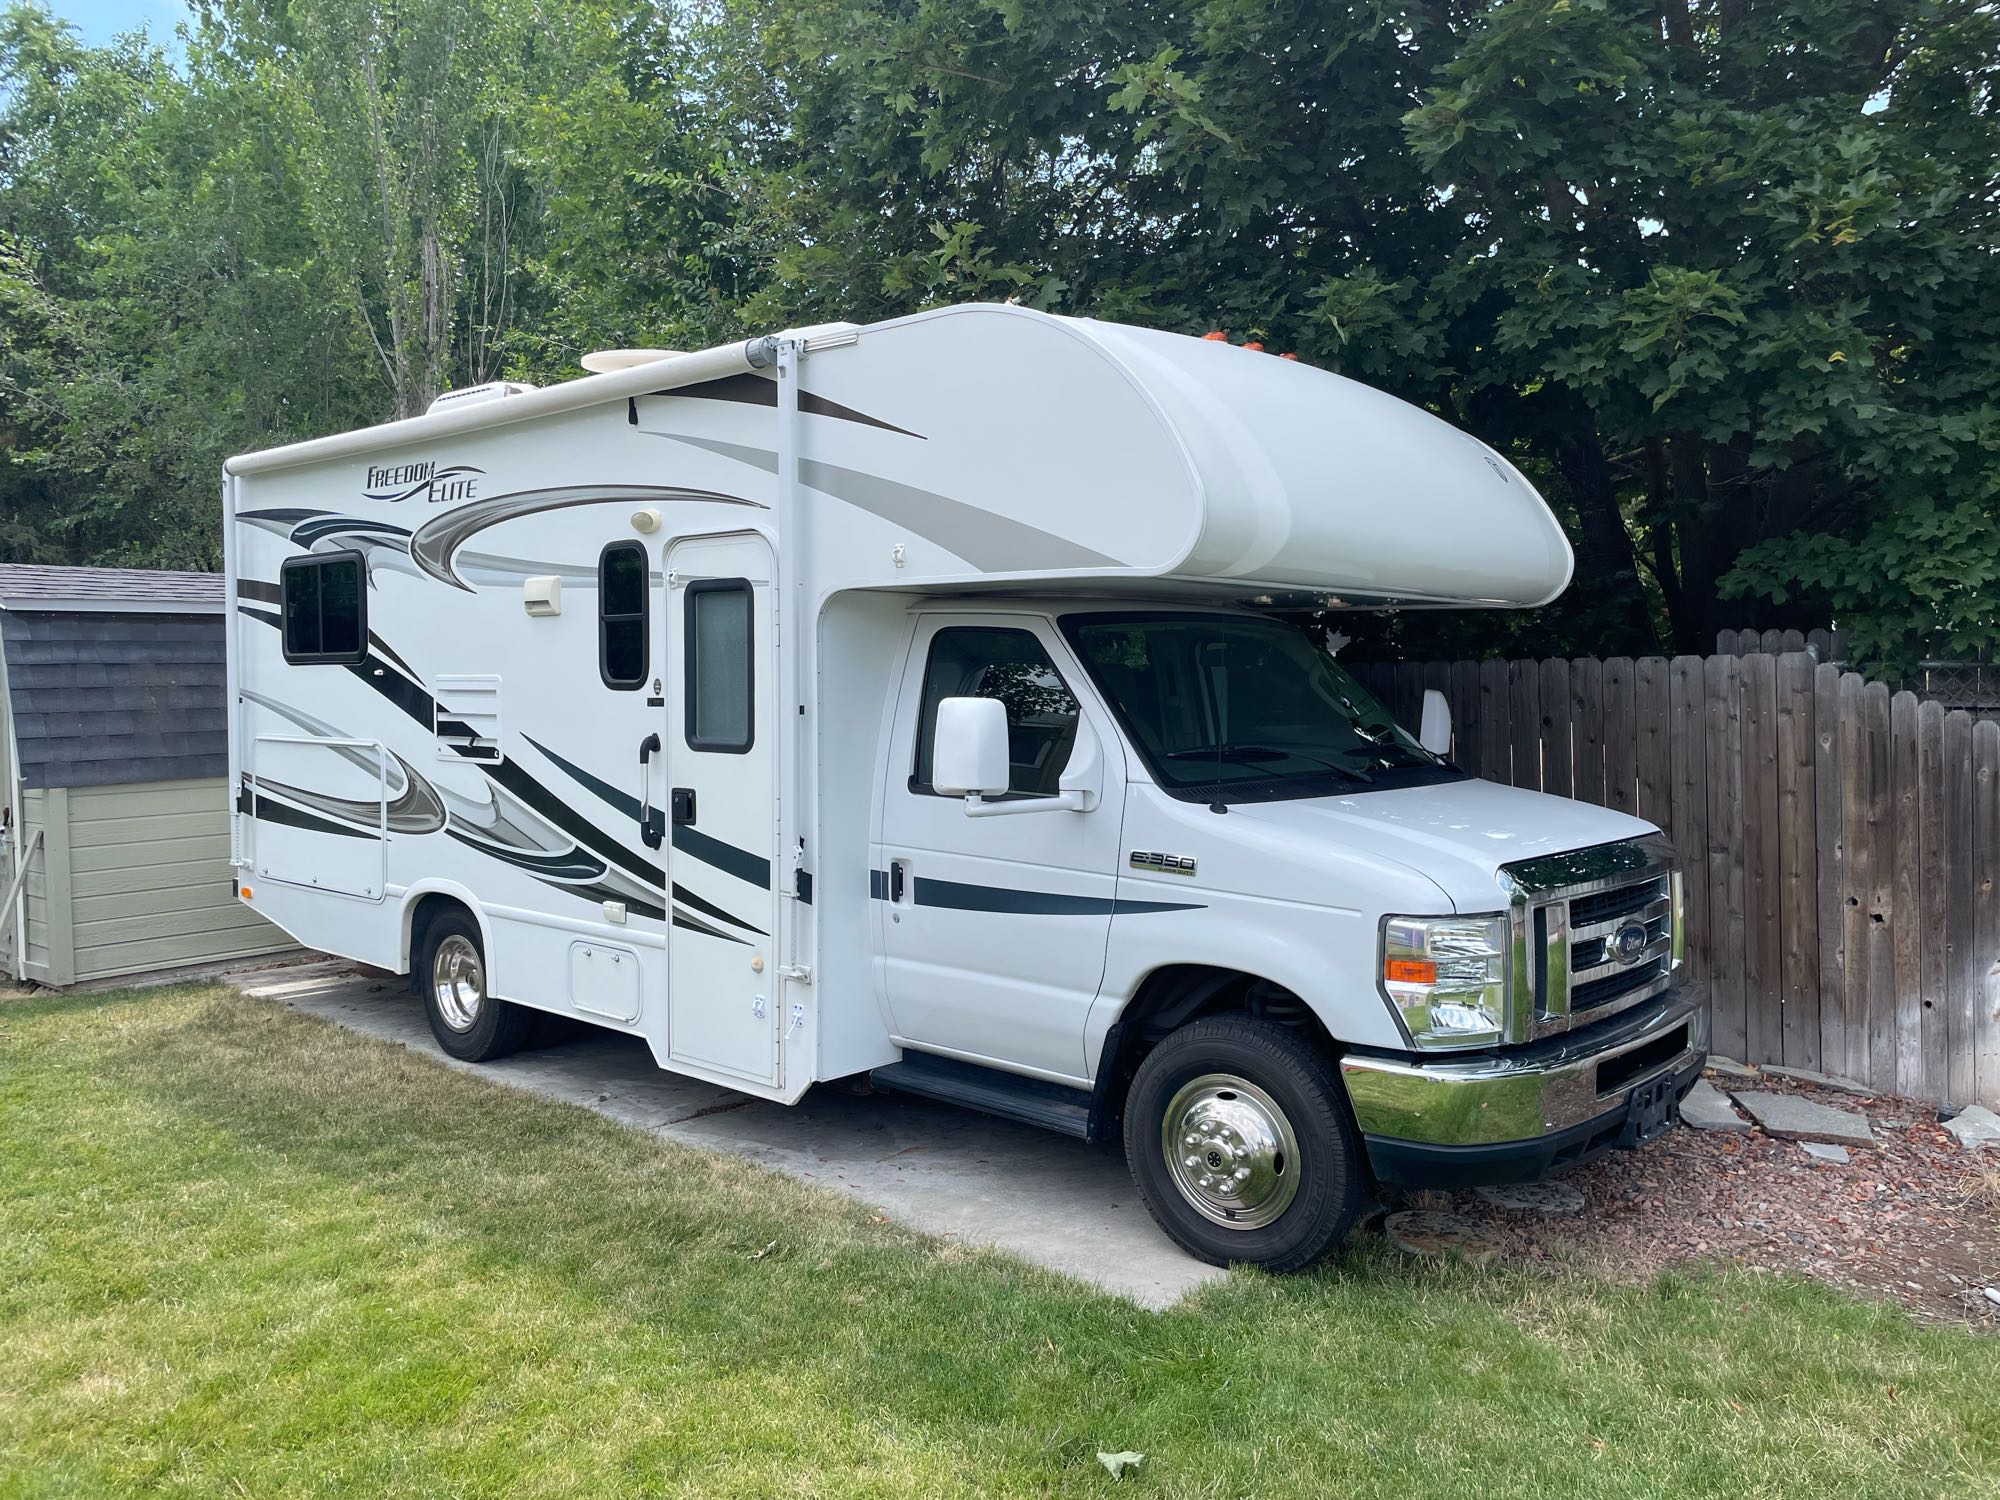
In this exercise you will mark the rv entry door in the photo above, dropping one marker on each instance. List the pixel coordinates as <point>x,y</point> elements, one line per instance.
<point>720,740</point>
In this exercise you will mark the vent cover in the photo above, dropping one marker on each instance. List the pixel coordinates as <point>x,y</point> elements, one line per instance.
<point>468,719</point>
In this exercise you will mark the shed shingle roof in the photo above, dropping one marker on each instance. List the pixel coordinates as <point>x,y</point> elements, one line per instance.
<point>27,586</point>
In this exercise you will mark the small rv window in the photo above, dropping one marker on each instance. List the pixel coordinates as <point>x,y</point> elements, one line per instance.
<point>720,673</point>
<point>326,608</point>
<point>623,589</point>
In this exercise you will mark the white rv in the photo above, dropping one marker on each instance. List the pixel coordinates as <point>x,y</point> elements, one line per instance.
<point>915,700</point>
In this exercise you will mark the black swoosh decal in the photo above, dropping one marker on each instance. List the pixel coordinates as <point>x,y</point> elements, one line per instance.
<point>727,858</point>
<point>266,810</point>
<point>956,896</point>
<point>762,390</point>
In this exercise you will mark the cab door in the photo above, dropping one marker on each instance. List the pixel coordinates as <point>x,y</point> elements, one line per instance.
<point>720,753</point>
<point>993,930</point>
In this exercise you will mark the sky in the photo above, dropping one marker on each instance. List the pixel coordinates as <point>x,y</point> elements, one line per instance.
<point>98,21</point>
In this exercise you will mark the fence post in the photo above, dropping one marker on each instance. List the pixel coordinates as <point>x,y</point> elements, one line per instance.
<point>1690,803</point>
<point>1724,732</point>
<point>1524,710</point>
<point>1797,868</point>
<point>1763,983</point>
<point>1829,874</point>
<point>1558,758</point>
<point>1933,945</point>
<point>1962,983</point>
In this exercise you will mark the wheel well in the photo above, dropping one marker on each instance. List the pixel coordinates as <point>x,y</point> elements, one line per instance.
<point>425,910</point>
<point>1169,998</point>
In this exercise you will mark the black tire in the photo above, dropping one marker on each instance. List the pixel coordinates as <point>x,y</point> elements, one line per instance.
<point>1325,1195</point>
<point>468,1023</point>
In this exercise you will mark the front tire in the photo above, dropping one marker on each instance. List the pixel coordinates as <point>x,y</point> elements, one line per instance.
<point>468,1023</point>
<point>1239,1140</point>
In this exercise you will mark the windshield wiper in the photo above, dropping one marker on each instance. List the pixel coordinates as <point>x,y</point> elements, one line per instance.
<point>1246,755</point>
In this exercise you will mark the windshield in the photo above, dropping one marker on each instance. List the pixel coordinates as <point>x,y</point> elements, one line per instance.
<point>1237,708</point>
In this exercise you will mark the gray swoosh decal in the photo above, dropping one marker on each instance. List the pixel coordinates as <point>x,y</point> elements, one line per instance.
<point>758,389</point>
<point>414,807</point>
<point>436,541</point>
<point>991,542</point>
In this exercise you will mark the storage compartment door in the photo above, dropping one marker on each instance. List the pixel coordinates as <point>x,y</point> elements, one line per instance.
<point>319,813</point>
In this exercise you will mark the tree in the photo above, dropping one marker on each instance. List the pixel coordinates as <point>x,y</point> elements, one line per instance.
<point>1720,275</point>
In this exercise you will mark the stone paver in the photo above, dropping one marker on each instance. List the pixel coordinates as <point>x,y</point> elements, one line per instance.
<point>1706,1107</point>
<point>947,1171</point>
<point>1729,1067</point>
<point>1821,1151</point>
<point>1535,1197</point>
<point>1427,1231</point>
<point>1790,1118</point>
<point>1975,1126</point>
<point>1822,1080</point>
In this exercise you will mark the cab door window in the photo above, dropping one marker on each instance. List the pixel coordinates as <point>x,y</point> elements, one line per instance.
<point>979,661</point>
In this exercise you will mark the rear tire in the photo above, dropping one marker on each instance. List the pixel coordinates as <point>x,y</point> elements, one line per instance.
<point>1265,1167</point>
<point>468,1023</point>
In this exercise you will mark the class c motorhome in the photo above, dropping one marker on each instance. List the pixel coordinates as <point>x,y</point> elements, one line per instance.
<point>918,701</point>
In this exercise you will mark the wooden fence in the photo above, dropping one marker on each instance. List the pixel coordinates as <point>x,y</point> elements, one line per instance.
<point>1841,841</point>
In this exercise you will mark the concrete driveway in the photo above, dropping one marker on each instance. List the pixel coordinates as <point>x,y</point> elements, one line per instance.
<point>947,1171</point>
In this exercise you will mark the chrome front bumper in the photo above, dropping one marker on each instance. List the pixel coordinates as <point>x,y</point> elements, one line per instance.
<point>1550,1093</point>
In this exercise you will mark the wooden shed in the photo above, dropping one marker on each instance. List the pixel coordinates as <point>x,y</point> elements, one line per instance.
<point>114,771</point>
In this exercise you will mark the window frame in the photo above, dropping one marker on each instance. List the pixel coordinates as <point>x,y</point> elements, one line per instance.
<point>691,669</point>
<point>923,728</point>
<point>644,617</point>
<point>319,562</point>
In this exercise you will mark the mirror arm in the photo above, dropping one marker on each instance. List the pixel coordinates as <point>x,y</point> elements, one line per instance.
<point>976,806</point>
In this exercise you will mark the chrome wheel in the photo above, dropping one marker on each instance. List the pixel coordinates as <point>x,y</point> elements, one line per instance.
<point>458,982</point>
<point>1231,1151</point>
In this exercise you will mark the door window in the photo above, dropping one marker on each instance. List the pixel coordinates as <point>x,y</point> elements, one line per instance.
<point>1011,665</point>
<point>721,674</point>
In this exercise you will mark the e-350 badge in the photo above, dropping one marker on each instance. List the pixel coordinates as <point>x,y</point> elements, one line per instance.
<point>1165,864</point>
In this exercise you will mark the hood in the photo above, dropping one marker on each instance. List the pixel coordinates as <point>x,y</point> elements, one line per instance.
<point>1457,833</point>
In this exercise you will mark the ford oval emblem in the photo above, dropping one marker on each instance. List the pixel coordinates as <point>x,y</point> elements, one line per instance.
<point>1629,941</point>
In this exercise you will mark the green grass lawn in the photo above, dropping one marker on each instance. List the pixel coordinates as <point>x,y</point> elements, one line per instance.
<point>243,1252</point>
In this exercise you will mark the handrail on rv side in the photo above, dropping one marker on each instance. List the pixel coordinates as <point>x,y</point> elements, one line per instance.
<point>589,390</point>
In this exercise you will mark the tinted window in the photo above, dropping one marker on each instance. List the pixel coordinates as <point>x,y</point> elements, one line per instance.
<point>1223,706</point>
<point>720,673</point>
<point>984,662</point>
<point>325,608</point>
<point>623,593</point>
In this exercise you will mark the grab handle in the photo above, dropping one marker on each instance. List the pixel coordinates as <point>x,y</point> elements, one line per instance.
<point>646,830</point>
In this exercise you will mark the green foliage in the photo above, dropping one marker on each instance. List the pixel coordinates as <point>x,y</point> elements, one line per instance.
<point>1719,277</point>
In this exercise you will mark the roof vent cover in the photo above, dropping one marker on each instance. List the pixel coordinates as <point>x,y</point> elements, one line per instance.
<point>472,395</point>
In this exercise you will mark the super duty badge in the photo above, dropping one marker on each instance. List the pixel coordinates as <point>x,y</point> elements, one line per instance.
<point>1165,864</point>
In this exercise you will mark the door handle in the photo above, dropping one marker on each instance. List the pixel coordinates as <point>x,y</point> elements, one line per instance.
<point>681,804</point>
<point>898,876</point>
<point>647,829</point>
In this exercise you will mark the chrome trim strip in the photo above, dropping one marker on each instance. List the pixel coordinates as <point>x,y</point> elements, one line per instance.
<point>1531,1092</point>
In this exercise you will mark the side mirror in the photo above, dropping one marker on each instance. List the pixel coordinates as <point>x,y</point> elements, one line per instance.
<point>1434,733</point>
<point>969,752</point>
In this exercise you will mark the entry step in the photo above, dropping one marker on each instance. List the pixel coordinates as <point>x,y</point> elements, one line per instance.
<point>1052,1106</point>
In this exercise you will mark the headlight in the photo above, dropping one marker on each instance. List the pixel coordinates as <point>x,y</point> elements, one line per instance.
<point>1447,976</point>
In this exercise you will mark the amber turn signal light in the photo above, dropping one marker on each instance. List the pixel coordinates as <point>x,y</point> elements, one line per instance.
<point>1409,971</point>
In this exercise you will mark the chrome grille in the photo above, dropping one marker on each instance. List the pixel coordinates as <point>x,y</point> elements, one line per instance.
<point>1596,931</point>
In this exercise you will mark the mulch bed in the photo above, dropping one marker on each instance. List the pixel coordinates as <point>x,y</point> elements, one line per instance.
<point>1915,1219</point>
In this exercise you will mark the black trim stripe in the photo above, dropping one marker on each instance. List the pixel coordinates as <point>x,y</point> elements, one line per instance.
<point>762,390</point>
<point>745,866</point>
<point>954,895</point>
<point>266,810</point>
